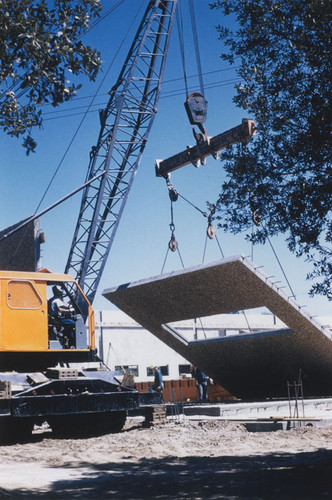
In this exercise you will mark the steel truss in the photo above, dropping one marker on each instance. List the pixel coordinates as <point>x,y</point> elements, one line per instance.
<point>125,126</point>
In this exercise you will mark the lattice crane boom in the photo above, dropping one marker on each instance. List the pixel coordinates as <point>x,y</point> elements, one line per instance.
<point>125,125</point>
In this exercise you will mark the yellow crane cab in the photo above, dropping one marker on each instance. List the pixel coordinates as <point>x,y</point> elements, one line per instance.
<point>46,316</point>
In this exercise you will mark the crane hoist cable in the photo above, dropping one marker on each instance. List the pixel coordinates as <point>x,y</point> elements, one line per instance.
<point>205,246</point>
<point>256,218</point>
<point>257,221</point>
<point>179,24</point>
<point>195,103</point>
<point>280,265</point>
<point>164,94</point>
<point>167,252</point>
<point>197,53</point>
<point>210,232</point>
<point>56,114</point>
<point>173,245</point>
<point>202,327</point>
<point>179,20</point>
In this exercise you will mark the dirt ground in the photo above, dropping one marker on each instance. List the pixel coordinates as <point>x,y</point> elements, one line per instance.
<point>188,460</point>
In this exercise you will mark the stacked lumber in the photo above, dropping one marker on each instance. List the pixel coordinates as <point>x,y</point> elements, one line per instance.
<point>155,414</point>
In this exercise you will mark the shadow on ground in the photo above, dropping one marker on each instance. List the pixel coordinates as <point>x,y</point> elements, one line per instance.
<point>273,477</point>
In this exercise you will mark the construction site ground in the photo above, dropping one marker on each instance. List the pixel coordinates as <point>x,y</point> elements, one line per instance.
<point>181,458</point>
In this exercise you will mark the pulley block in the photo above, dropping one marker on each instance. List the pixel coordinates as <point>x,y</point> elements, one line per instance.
<point>211,231</point>
<point>196,107</point>
<point>172,193</point>
<point>173,244</point>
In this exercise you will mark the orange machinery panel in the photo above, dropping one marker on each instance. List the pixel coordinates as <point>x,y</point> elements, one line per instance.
<point>23,314</point>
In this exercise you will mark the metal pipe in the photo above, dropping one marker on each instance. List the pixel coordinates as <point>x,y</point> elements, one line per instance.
<point>36,216</point>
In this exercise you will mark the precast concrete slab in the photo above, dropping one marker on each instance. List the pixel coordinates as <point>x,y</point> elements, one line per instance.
<point>250,365</point>
<point>284,414</point>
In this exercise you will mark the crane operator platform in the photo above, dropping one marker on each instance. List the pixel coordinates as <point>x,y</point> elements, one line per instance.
<point>61,318</point>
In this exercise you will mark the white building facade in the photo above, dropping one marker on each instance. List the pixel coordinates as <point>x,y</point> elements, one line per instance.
<point>125,346</point>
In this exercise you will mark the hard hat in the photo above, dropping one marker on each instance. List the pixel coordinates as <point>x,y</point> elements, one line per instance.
<point>57,291</point>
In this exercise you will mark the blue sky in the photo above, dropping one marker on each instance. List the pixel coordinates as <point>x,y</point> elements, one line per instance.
<point>141,242</point>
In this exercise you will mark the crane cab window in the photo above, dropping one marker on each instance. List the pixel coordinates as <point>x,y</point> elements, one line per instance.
<point>23,295</point>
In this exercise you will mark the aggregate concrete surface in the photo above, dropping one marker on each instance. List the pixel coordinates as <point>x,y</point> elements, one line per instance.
<point>250,366</point>
<point>179,459</point>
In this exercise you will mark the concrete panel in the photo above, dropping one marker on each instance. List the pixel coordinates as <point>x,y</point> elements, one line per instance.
<point>250,366</point>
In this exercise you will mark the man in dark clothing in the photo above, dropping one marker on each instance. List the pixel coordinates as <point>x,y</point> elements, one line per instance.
<point>201,382</point>
<point>158,384</point>
<point>61,313</point>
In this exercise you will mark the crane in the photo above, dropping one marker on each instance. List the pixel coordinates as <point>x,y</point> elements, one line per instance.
<point>125,124</point>
<point>33,387</point>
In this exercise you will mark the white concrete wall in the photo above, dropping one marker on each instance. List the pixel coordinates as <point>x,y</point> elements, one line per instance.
<point>126,343</point>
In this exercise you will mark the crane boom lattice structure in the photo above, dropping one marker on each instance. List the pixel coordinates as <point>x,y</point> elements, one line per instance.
<point>125,125</point>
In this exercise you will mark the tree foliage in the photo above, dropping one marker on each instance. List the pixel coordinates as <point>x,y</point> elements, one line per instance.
<point>40,46</point>
<point>284,176</point>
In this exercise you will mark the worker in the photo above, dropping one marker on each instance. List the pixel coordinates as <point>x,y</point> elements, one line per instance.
<point>158,384</point>
<point>61,313</point>
<point>201,382</point>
